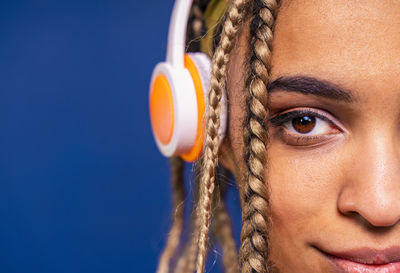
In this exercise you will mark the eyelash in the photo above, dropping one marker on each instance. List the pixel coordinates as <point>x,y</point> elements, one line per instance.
<point>299,139</point>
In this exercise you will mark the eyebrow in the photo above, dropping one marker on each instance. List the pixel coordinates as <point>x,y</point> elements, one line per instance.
<point>311,86</point>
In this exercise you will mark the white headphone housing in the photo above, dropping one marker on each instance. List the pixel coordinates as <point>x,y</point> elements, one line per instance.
<point>181,85</point>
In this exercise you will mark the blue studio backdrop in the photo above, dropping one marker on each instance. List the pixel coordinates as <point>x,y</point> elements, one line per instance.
<point>82,185</point>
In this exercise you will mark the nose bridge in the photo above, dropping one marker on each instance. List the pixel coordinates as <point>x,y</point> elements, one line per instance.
<point>372,187</point>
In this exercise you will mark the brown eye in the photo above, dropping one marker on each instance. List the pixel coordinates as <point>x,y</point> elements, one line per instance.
<point>304,124</point>
<point>305,127</point>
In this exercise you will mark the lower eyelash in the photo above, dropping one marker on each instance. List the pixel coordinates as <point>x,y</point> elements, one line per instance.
<point>299,140</point>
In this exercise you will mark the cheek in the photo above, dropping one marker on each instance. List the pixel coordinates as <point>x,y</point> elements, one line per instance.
<point>304,186</point>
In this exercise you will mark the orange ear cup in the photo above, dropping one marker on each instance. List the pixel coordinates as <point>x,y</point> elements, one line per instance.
<point>162,109</point>
<point>195,152</point>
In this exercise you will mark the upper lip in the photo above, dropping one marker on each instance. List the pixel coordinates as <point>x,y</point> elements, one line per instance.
<point>367,255</point>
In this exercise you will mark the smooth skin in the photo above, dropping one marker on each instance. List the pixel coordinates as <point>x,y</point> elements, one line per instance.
<point>337,188</point>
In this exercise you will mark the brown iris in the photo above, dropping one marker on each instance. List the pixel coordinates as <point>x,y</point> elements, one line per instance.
<point>303,124</point>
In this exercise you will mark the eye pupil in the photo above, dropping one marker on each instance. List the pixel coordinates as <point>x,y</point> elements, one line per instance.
<point>303,124</point>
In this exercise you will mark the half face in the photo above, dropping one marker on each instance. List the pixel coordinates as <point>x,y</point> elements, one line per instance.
<point>334,150</point>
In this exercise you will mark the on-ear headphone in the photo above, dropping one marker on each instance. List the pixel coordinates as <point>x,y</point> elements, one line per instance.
<point>178,93</point>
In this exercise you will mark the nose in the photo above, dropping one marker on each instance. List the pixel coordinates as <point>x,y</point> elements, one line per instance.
<point>372,184</point>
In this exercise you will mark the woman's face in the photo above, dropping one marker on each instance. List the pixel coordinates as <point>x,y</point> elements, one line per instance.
<point>334,165</point>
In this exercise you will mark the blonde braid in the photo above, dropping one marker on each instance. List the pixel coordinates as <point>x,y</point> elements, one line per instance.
<point>187,260</point>
<point>178,200</point>
<point>231,26</point>
<point>254,250</point>
<point>222,226</point>
<point>224,235</point>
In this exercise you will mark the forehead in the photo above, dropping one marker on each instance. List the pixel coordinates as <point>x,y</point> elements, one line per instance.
<point>353,42</point>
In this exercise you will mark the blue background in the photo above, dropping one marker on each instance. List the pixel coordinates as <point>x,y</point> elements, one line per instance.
<point>82,185</point>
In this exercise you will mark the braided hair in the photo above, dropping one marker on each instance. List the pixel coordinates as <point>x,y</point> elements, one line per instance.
<point>209,211</point>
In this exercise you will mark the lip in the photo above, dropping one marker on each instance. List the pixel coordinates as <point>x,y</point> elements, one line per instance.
<point>364,260</point>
